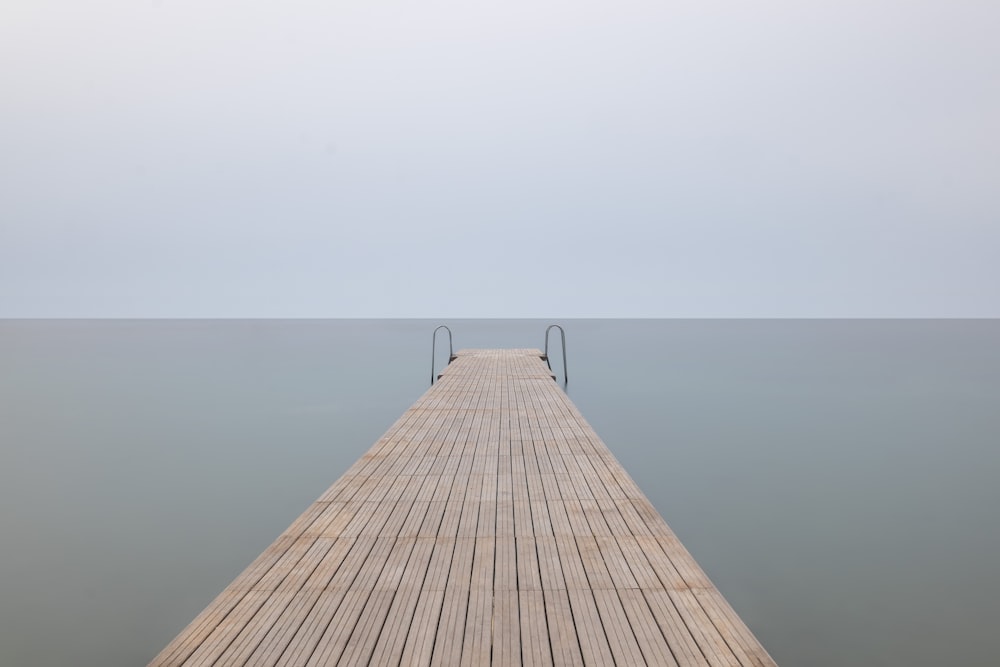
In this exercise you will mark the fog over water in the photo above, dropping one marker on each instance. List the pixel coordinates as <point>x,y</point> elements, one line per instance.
<point>526,158</point>
<point>835,478</point>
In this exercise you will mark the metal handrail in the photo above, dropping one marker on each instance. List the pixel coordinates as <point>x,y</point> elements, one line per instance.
<point>451,350</point>
<point>546,355</point>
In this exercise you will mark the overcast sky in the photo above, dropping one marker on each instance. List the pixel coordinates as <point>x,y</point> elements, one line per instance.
<point>354,158</point>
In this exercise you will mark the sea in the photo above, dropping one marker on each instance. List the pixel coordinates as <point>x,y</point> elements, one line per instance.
<point>838,480</point>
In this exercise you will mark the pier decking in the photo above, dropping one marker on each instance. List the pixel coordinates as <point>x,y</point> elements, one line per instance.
<point>489,525</point>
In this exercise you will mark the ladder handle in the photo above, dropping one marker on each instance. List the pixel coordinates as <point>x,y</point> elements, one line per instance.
<point>562,335</point>
<point>451,350</point>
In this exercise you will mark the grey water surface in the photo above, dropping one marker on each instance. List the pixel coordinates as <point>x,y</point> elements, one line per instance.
<point>837,479</point>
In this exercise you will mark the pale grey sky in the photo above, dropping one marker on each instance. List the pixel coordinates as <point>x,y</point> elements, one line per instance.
<point>501,159</point>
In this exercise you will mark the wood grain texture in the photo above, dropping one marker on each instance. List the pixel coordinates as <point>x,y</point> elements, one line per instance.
<point>489,525</point>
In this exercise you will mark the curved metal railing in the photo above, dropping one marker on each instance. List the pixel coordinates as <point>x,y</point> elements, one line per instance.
<point>562,334</point>
<point>451,350</point>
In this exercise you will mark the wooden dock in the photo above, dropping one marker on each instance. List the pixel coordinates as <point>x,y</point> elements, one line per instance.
<point>489,525</point>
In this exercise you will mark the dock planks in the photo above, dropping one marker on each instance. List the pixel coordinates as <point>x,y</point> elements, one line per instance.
<point>489,525</point>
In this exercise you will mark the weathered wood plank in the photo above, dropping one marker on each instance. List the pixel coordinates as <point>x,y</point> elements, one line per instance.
<point>590,630</point>
<point>423,630</point>
<point>535,644</point>
<point>621,637</point>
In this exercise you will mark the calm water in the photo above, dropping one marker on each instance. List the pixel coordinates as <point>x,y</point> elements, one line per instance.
<point>836,479</point>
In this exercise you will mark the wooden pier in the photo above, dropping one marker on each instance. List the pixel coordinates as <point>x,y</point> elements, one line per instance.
<point>489,525</point>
